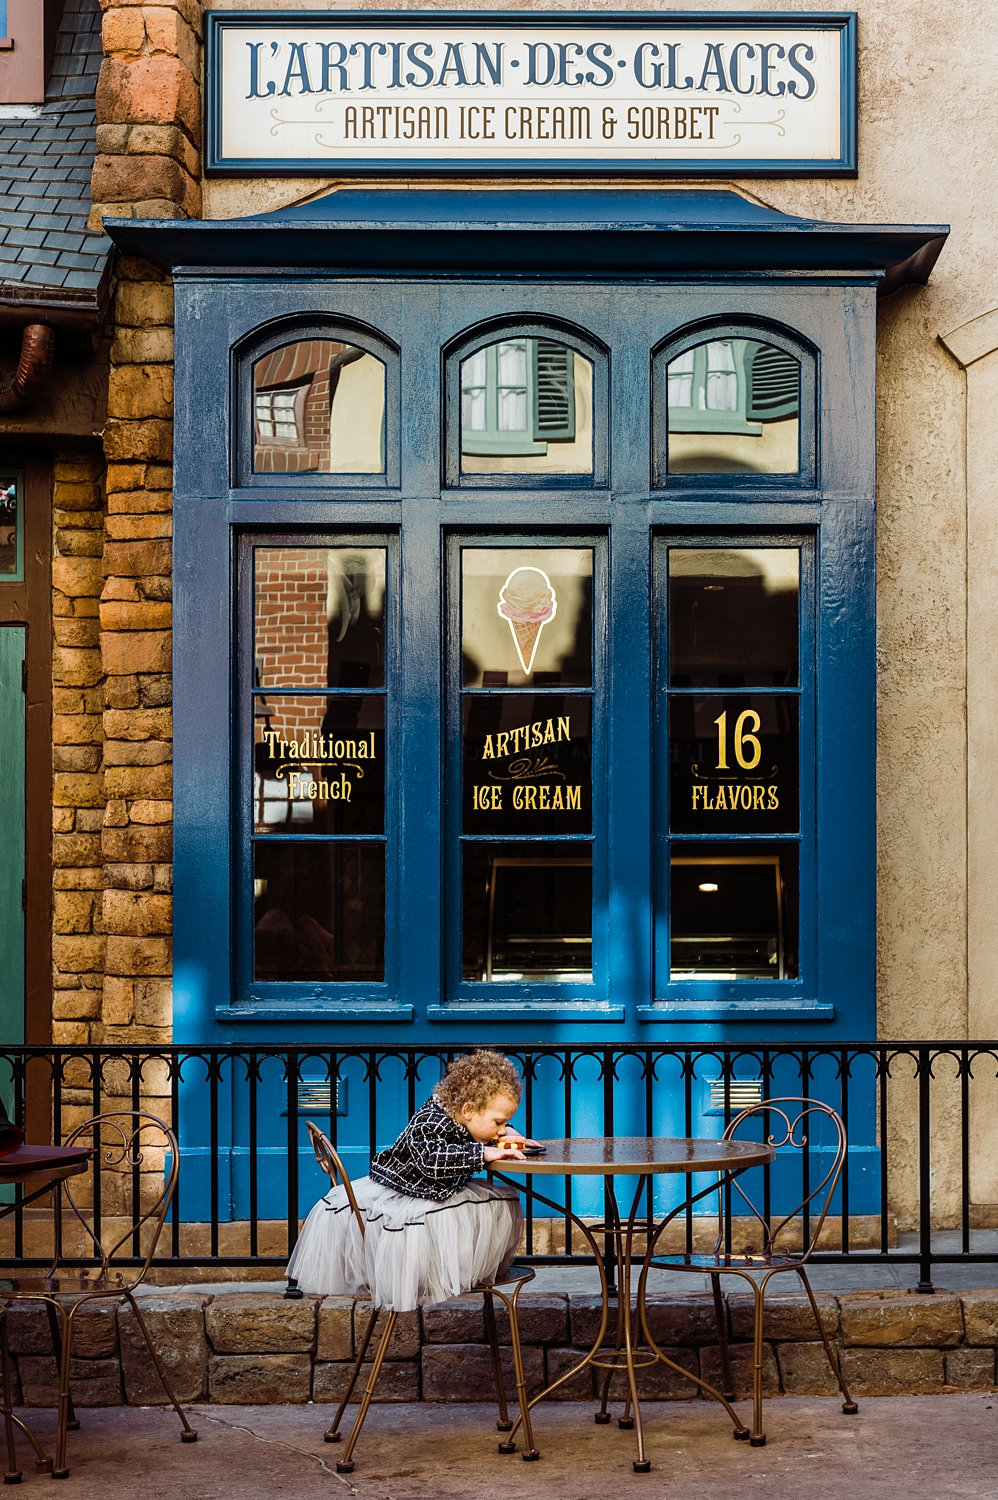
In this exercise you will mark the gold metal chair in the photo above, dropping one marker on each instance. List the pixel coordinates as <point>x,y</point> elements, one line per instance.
<point>758,1267</point>
<point>128,1188</point>
<point>508,1289</point>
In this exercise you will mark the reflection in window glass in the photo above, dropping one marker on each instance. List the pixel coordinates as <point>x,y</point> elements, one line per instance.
<point>733,616</point>
<point>526,764</point>
<point>733,406</point>
<point>318,911</point>
<point>318,768</point>
<point>318,408</point>
<point>733,912</point>
<point>319,617</point>
<point>527,913</point>
<point>10,562</point>
<point>526,408</point>
<point>734,737</point>
<point>319,764</point>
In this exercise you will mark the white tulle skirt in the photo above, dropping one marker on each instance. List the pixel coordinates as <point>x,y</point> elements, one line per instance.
<point>414,1251</point>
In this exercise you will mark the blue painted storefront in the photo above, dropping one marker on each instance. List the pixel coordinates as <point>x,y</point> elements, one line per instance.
<point>628,280</point>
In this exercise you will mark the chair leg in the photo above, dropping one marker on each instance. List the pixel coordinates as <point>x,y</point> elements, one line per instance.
<point>73,1421</point>
<point>492,1332</point>
<point>848,1404</point>
<point>332,1433</point>
<point>757,1437</point>
<point>727,1384</point>
<point>530,1451</point>
<point>13,1474</point>
<point>188,1433</point>
<point>345,1464</point>
<point>60,1469</point>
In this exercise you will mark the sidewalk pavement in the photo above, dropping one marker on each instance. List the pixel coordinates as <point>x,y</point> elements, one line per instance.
<point>903,1446</point>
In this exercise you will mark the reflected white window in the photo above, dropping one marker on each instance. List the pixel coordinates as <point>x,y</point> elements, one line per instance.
<point>720,392</point>
<point>275,415</point>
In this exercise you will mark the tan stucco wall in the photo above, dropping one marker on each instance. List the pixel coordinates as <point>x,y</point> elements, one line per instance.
<point>926,140</point>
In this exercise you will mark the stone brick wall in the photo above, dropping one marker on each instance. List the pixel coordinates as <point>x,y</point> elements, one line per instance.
<point>254,1347</point>
<point>149,111</point>
<point>148,165</point>
<point>78,942</point>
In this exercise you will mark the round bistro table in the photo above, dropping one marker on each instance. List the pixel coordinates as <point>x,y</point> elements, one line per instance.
<point>641,1157</point>
<point>36,1169</point>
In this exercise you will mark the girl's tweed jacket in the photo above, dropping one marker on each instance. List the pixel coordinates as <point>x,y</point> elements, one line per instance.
<point>432,1158</point>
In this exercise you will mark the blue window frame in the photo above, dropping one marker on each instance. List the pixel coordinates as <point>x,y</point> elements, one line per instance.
<point>736,771</point>
<point>527,832</point>
<point>316,796</point>
<point>503,898</point>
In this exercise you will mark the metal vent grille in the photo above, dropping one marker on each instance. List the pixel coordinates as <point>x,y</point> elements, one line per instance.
<point>318,1094</point>
<point>742,1093</point>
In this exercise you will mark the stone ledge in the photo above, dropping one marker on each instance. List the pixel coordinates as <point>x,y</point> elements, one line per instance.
<point>254,1346</point>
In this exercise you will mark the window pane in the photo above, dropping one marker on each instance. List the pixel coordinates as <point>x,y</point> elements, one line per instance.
<point>318,408</point>
<point>319,764</point>
<point>527,764</point>
<point>319,911</point>
<point>733,616</point>
<point>8,527</point>
<point>733,407</point>
<point>526,617</point>
<point>526,408</point>
<point>513,363</point>
<point>319,616</point>
<point>733,914</point>
<point>733,764</point>
<point>527,913</point>
<point>512,410</point>
<point>473,409</point>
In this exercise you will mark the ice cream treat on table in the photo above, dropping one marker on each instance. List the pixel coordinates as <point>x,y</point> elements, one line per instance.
<point>527,602</point>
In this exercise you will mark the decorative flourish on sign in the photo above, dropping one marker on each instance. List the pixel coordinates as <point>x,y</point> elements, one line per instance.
<point>777,123</point>
<point>701,775</point>
<point>523,768</point>
<point>279,121</point>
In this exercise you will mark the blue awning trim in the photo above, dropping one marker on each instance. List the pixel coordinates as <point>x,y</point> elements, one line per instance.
<point>588,231</point>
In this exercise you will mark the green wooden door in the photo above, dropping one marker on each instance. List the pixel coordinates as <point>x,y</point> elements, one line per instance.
<point>11,841</point>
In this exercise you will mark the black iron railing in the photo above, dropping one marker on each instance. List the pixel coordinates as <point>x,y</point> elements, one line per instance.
<point>919,1188</point>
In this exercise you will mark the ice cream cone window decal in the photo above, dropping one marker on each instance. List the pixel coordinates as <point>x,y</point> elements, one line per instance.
<point>526,408</point>
<point>527,602</point>
<point>526,617</point>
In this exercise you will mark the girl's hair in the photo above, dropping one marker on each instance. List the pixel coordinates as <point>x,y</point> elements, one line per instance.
<point>476,1078</point>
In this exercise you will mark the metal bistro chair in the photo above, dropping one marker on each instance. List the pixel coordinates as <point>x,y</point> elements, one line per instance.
<point>122,1141</point>
<point>508,1289</point>
<point>758,1268</point>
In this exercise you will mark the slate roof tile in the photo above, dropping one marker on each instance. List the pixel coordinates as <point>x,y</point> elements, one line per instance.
<point>47,159</point>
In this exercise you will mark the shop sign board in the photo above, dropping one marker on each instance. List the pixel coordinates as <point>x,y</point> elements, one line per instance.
<point>437,93</point>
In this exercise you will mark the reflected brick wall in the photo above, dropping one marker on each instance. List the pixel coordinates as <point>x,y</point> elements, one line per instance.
<point>291,640</point>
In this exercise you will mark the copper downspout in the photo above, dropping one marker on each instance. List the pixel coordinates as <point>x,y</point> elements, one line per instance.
<point>33,368</point>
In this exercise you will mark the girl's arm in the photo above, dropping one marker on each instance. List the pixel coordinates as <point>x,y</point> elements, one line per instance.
<point>439,1159</point>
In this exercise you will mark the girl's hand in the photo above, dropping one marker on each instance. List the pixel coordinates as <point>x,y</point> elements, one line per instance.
<point>510,1152</point>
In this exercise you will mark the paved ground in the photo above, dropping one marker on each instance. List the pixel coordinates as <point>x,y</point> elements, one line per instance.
<point>928,1447</point>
